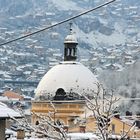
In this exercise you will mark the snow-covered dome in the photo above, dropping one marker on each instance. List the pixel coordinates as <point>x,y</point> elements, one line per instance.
<point>69,80</point>
<point>68,77</point>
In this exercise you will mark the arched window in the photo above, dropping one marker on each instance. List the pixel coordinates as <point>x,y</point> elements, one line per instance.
<point>60,94</point>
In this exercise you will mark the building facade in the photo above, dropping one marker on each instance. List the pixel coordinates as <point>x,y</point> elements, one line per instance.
<point>65,86</point>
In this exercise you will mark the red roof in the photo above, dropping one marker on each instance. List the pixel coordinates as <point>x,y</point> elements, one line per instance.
<point>11,94</point>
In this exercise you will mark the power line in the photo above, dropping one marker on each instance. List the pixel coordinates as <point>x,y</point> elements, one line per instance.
<point>61,22</point>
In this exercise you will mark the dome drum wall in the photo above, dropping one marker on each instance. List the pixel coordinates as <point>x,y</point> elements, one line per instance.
<point>69,80</point>
<point>70,53</point>
<point>66,111</point>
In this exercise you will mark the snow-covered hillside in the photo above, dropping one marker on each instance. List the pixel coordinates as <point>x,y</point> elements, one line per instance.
<point>107,25</point>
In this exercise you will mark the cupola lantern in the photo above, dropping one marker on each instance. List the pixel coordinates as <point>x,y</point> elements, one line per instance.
<point>70,48</point>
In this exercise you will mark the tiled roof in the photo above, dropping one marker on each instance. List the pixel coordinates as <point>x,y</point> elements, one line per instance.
<point>11,94</point>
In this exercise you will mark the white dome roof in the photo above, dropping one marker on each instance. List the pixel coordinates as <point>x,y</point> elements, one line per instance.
<point>68,75</point>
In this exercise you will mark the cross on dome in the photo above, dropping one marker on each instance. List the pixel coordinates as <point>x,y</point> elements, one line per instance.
<point>70,27</point>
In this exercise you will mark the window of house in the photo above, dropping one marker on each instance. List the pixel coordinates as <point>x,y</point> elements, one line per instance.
<point>113,128</point>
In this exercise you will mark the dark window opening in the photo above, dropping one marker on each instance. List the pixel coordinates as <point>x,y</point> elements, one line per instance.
<point>60,94</point>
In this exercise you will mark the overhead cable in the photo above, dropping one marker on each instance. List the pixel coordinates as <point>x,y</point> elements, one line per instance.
<point>56,24</point>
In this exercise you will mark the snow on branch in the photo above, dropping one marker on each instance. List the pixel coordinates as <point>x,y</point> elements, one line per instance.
<point>104,108</point>
<point>46,126</point>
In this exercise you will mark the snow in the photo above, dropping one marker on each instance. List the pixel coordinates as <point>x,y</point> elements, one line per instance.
<point>6,112</point>
<point>70,39</point>
<point>27,112</point>
<point>32,138</point>
<point>4,72</point>
<point>103,21</point>
<point>69,76</point>
<point>115,136</point>
<point>79,136</point>
<point>130,63</point>
<point>66,5</point>
<point>2,98</point>
<point>71,136</point>
<point>115,38</point>
<point>95,38</point>
<point>87,38</point>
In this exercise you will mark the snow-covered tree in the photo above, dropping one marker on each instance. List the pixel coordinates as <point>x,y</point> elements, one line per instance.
<point>46,127</point>
<point>104,108</point>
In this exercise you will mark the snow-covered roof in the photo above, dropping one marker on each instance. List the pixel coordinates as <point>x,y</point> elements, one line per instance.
<point>70,39</point>
<point>2,98</point>
<point>6,112</point>
<point>69,75</point>
<point>79,136</point>
<point>71,136</point>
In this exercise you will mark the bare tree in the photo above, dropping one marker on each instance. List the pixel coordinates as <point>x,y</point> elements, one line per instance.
<point>104,108</point>
<point>46,126</point>
<point>103,105</point>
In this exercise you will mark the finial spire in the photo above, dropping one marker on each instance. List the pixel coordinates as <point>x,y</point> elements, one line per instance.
<point>70,27</point>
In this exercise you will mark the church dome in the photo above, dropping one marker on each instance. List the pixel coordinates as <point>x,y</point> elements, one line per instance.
<point>69,78</point>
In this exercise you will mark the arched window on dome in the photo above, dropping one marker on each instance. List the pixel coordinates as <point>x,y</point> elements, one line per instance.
<point>60,94</point>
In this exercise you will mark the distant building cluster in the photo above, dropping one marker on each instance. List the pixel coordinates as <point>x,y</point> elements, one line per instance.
<point>29,59</point>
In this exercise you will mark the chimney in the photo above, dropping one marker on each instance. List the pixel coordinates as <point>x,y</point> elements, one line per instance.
<point>66,128</point>
<point>82,128</point>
